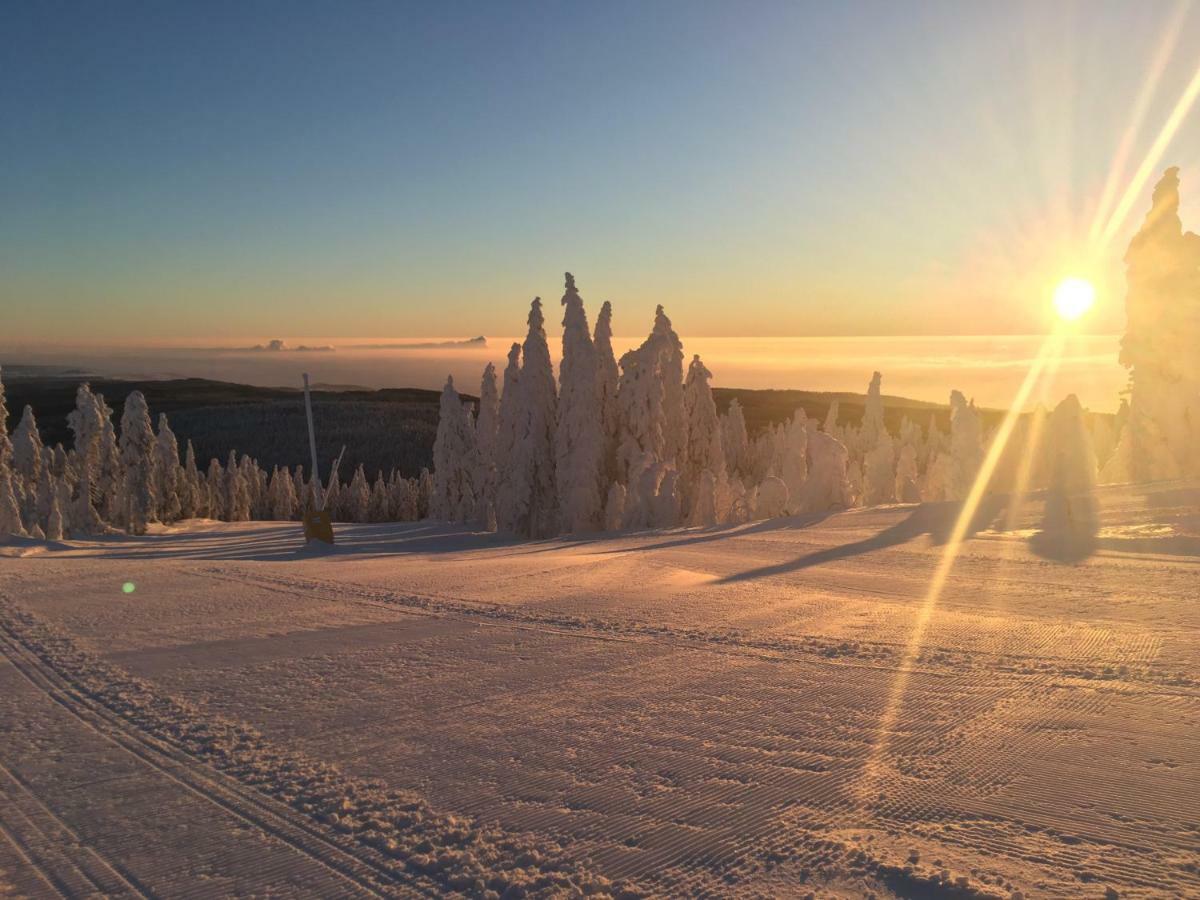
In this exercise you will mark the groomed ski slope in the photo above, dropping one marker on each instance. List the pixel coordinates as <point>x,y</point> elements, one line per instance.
<point>737,712</point>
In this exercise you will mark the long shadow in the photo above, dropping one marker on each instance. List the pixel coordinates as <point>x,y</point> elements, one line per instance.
<point>722,532</point>
<point>286,542</point>
<point>1070,526</point>
<point>934,519</point>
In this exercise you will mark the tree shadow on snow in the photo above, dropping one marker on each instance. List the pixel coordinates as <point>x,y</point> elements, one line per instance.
<point>1070,527</point>
<point>934,519</point>
<point>285,542</point>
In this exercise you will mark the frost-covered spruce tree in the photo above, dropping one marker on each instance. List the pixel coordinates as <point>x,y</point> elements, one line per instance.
<point>579,438</point>
<point>792,466</point>
<point>878,448</point>
<point>235,499</point>
<point>641,398</point>
<point>283,495</point>
<point>531,465</point>
<point>377,508</point>
<point>735,442</point>
<point>54,519</point>
<point>966,446</point>
<point>359,496</point>
<point>10,511</point>
<point>455,460</point>
<point>6,448</point>
<point>214,491</point>
<point>167,471</point>
<point>704,452</point>
<point>190,486</point>
<point>47,489</point>
<point>607,379</point>
<point>487,436</point>
<point>907,476</point>
<point>831,427</point>
<point>827,485</point>
<point>27,448</point>
<point>111,475</point>
<point>86,424</point>
<point>508,503</point>
<point>303,491</point>
<point>671,364</point>
<point>138,504</point>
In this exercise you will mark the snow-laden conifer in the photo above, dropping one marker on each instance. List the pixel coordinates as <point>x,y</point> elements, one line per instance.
<point>735,443</point>
<point>579,437</point>
<point>966,445</point>
<point>27,448</point>
<point>487,436</point>
<point>671,366</point>
<point>138,503</point>
<point>607,378</point>
<point>168,474</point>
<point>529,504</point>
<point>704,451</point>
<point>455,460</point>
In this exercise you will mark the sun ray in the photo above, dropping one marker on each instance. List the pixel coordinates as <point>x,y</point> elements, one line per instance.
<point>875,765</point>
<point>1151,162</point>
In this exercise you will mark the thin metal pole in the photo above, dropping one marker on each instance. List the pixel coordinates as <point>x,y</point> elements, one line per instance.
<point>314,476</point>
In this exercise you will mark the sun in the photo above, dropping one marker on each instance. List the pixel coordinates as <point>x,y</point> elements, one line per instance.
<point>1073,297</point>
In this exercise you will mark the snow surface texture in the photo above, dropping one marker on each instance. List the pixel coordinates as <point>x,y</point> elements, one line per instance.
<point>688,712</point>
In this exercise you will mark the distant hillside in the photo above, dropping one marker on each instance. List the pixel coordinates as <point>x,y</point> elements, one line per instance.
<point>382,429</point>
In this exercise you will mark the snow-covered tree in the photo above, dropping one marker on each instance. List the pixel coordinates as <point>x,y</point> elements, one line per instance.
<point>191,487</point>
<point>10,511</point>
<point>282,492</point>
<point>6,448</point>
<point>27,448</point>
<point>235,497</point>
<point>827,485</point>
<point>528,497</point>
<point>358,497</point>
<point>455,462</point>
<point>579,439</point>
<point>792,467</point>
<point>704,451</point>
<point>487,436</point>
<point>138,503</point>
<point>54,520</point>
<point>1159,347</point>
<point>607,379</point>
<point>878,448</point>
<point>641,399</point>
<point>675,435</point>
<point>86,424</point>
<point>735,442</point>
<point>214,491</point>
<point>966,445</point>
<point>377,508</point>
<point>167,472</point>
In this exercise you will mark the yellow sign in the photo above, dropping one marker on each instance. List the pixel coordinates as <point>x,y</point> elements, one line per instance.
<point>318,526</point>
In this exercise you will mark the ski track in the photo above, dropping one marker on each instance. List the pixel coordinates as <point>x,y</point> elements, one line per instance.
<point>365,870</point>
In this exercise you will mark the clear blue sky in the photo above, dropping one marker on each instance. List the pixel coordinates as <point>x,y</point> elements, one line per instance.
<point>173,170</point>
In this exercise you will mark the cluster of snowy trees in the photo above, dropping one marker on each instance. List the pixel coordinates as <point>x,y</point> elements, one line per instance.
<point>129,477</point>
<point>639,443</point>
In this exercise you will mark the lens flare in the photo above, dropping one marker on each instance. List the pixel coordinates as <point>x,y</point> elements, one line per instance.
<point>1073,297</point>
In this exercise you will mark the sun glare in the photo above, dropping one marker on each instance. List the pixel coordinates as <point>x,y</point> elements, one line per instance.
<point>1073,297</point>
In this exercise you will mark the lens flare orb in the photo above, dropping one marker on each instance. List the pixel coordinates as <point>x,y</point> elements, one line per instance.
<point>1073,297</point>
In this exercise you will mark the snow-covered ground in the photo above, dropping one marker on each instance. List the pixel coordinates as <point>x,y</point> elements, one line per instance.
<point>736,711</point>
